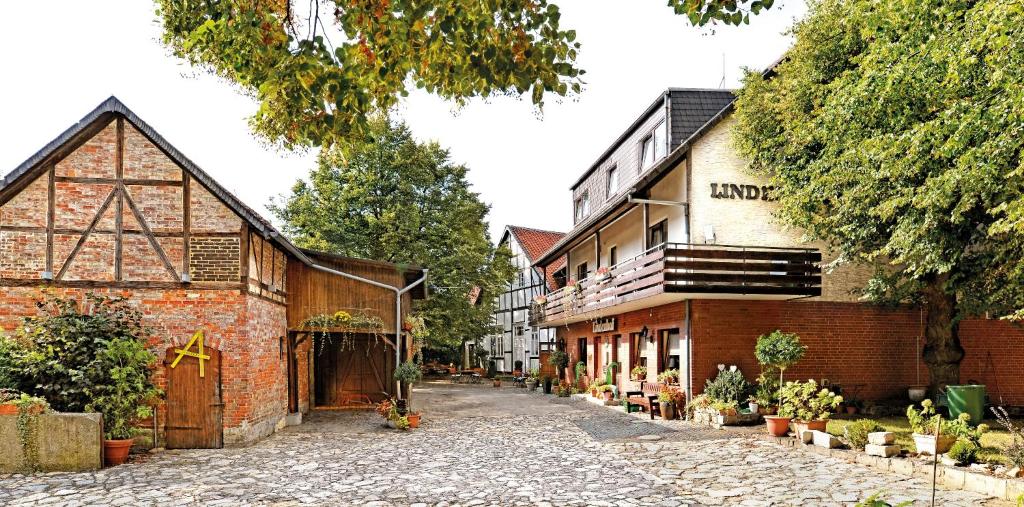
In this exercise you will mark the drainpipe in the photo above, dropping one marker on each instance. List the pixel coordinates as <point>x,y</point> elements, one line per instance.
<point>398,295</point>
<point>689,357</point>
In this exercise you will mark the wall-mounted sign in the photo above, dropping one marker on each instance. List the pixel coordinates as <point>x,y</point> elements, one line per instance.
<point>745,192</point>
<point>604,325</point>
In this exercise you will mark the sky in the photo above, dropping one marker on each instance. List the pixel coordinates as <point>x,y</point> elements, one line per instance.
<point>522,161</point>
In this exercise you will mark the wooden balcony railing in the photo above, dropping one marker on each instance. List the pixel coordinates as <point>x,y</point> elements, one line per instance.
<point>706,270</point>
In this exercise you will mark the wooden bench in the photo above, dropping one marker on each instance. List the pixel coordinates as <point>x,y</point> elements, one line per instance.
<point>646,398</point>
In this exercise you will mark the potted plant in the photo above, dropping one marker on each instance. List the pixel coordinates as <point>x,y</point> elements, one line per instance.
<point>414,419</point>
<point>602,274</point>
<point>606,391</point>
<point>540,299</point>
<point>925,423</point>
<point>547,384</point>
<point>408,373</point>
<point>724,407</point>
<point>532,379</point>
<point>580,371</point>
<point>779,350</point>
<point>669,377</point>
<point>8,397</point>
<point>496,381</point>
<point>560,361</point>
<point>809,406</point>
<point>126,397</point>
<point>517,370</point>
<point>752,405</point>
<point>639,373</point>
<point>387,410</point>
<point>666,404</point>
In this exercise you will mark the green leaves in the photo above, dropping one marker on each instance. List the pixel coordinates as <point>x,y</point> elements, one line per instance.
<point>893,131</point>
<point>397,200</point>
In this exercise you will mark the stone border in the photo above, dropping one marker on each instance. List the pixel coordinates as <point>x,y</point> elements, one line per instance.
<point>948,477</point>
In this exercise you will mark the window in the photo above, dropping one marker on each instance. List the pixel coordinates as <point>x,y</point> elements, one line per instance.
<point>612,185</point>
<point>581,345</point>
<point>522,279</point>
<point>581,271</point>
<point>658,233</point>
<point>613,256</point>
<point>519,330</point>
<point>582,206</point>
<point>654,146</point>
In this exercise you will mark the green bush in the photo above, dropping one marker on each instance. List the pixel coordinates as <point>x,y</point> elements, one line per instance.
<point>11,355</point>
<point>728,386</point>
<point>65,348</point>
<point>964,452</point>
<point>779,350</point>
<point>856,433</point>
<point>126,395</point>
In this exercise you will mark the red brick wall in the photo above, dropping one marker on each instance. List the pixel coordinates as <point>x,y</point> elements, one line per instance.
<point>995,353</point>
<point>670,316</point>
<point>243,327</point>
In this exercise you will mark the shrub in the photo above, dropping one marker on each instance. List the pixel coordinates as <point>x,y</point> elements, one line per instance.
<point>559,359</point>
<point>1014,450</point>
<point>669,376</point>
<point>964,452</point>
<point>11,355</point>
<point>518,365</point>
<point>856,433</point>
<point>804,401</point>
<point>492,369</point>
<point>728,386</point>
<point>766,394</point>
<point>64,359</point>
<point>127,394</point>
<point>924,421</point>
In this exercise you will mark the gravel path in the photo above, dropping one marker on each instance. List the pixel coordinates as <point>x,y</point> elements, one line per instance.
<point>482,446</point>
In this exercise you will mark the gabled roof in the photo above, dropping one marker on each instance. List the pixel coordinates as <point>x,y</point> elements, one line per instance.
<point>593,221</point>
<point>534,241</point>
<point>690,108</point>
<point>95,121</point>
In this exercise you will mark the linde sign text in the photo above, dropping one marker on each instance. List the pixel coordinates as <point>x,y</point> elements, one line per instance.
<point>745,192</point>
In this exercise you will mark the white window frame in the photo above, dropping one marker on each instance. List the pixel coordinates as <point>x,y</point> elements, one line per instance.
<point>611,183</point>
<point>581,208</point>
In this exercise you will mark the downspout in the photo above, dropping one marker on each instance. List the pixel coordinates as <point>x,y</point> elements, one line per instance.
<point>398,295</point>
<point>689,358</point>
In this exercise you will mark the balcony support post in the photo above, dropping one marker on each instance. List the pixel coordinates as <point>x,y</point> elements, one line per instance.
<point>597,248</point>
<point>647,226</point>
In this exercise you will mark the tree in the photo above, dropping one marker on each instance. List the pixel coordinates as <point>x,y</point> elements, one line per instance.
<point>397,200</point>
<point>893,130</point>
<point>317,77</point>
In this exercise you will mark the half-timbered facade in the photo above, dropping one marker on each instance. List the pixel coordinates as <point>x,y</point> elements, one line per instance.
<point>676,261</point>
<point>110,207</point>
<point>517,339</point>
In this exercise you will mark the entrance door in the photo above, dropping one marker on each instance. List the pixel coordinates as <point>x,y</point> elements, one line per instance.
<point>195,409</point>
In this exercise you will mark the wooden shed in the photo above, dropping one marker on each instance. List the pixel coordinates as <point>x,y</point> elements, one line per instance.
<point>350,366</point>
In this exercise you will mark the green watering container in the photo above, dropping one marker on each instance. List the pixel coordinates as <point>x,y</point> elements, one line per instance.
<point>966,399</point>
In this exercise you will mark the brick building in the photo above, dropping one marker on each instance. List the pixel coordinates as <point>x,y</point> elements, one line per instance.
<point>681,264</point>
<point>110,207</point>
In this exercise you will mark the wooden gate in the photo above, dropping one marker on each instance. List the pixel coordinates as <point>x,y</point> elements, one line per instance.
<point>195,409</point>
<point>354,375</point>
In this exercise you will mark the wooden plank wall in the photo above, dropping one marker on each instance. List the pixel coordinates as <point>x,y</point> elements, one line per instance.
<point>312,292</point>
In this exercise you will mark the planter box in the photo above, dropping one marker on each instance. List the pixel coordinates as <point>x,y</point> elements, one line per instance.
<point>66,443</point>
<point>927,444</point>
<point>711,417</point>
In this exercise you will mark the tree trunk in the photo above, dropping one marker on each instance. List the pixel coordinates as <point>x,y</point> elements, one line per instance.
<point>942,351</point>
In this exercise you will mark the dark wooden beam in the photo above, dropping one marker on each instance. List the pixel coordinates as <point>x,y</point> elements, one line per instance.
<point>186,223</point>
<point>119,205</point>
<point>114,181</point>
<point>85,236</point>
<point>51,215</point>
<point>149,234</point>
<point>243,247</point>
<point>124,284</point>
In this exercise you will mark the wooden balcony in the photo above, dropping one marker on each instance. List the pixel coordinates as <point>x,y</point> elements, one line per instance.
<point>677,271</point>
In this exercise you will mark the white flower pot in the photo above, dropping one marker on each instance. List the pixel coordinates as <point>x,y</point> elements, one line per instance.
<point>928,444</point>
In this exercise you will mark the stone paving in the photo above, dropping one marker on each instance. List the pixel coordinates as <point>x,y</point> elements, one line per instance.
<point>482,446</point>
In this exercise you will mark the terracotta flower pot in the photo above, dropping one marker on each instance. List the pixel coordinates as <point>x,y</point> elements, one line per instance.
<point>851,409</point>
<point>778,426</point>
<point>497,383</point>
<point>8,409</point>
<point>607,396</point>
<point>815,425</point>
<point>414,420</point>
<point>115,452</point>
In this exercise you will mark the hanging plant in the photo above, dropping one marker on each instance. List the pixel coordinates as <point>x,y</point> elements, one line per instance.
<point>416,326</point>
<point>344,326</point>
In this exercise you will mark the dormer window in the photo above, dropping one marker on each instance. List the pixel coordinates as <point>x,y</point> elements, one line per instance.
<point>612,185</point>
<point>654,146</point>
<point>582,208</point>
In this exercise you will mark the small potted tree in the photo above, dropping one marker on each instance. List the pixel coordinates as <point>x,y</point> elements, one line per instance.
<point>546,380</point>
<point>126,397</point>
<point>779,350</point>
<point>408,373</point>
<point>560,361</point>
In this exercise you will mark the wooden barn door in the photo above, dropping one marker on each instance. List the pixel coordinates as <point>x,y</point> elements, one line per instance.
<point>195,408</point>
<point>354,375</point>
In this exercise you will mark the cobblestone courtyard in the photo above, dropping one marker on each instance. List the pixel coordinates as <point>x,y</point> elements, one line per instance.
<point>482,446</point>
